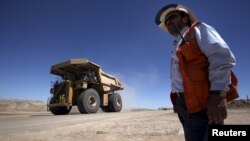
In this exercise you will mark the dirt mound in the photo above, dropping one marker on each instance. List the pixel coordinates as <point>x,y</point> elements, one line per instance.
<point>239,103</point>
<point>22,105</point>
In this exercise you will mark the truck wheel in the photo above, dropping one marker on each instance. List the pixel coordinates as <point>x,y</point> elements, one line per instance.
<point>60,110</point>
<point>88,101</point>
<point>115,103</point>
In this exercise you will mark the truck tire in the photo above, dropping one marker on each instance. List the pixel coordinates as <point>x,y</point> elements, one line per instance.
<point>60,110</point>
<point>88,101</point>
<point>115,103</point>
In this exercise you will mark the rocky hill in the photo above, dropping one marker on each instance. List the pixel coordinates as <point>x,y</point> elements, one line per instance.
<point>239,103</point>
<point>40,106</point>
<point>22,105</point>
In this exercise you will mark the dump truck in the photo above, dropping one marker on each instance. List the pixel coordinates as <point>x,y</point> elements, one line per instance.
<point>83,84</point>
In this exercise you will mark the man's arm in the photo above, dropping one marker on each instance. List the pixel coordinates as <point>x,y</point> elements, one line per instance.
<point>221,61</point>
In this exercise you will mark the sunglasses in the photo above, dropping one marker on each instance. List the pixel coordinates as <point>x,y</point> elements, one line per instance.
<point>171,17</point>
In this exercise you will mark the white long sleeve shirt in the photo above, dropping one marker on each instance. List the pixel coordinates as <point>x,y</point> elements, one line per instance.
<point>221,59</point>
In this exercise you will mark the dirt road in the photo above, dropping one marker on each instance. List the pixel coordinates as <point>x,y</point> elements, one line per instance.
<point>124,126</point>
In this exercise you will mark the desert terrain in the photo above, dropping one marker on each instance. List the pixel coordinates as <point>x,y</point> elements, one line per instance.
<point>29,121</point>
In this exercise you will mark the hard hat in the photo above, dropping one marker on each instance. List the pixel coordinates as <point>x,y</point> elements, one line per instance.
<point>163,12</point>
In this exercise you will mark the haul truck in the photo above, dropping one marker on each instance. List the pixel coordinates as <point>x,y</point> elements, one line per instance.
<point>83,84</point>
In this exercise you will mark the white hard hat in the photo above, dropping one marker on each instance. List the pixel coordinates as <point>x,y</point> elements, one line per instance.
<point>163,12</point>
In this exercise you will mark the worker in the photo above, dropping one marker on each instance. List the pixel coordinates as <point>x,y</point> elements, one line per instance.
<point>202,80</point>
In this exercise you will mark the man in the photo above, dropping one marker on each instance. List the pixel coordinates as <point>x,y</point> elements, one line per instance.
<point>202,80</point>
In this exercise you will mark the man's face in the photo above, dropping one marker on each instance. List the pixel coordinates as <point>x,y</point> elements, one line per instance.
<point>174,21</point>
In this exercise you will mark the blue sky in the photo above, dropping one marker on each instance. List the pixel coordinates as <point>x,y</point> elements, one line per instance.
<point>119,35</point>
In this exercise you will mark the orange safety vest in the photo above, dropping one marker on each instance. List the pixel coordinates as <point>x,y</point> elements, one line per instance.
<point>193,66</point>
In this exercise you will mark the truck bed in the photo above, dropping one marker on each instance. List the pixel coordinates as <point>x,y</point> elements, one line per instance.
<point>74,66</point>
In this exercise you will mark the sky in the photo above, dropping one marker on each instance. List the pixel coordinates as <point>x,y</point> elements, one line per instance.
<point>119,35</point>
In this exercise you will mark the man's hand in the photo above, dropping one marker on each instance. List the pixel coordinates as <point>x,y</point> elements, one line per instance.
<point>217,108</point>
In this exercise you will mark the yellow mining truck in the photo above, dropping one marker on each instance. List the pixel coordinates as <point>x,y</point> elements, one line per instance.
<point>83,84</point>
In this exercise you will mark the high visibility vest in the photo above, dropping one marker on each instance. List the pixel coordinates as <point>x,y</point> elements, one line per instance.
<point>193,66</point>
